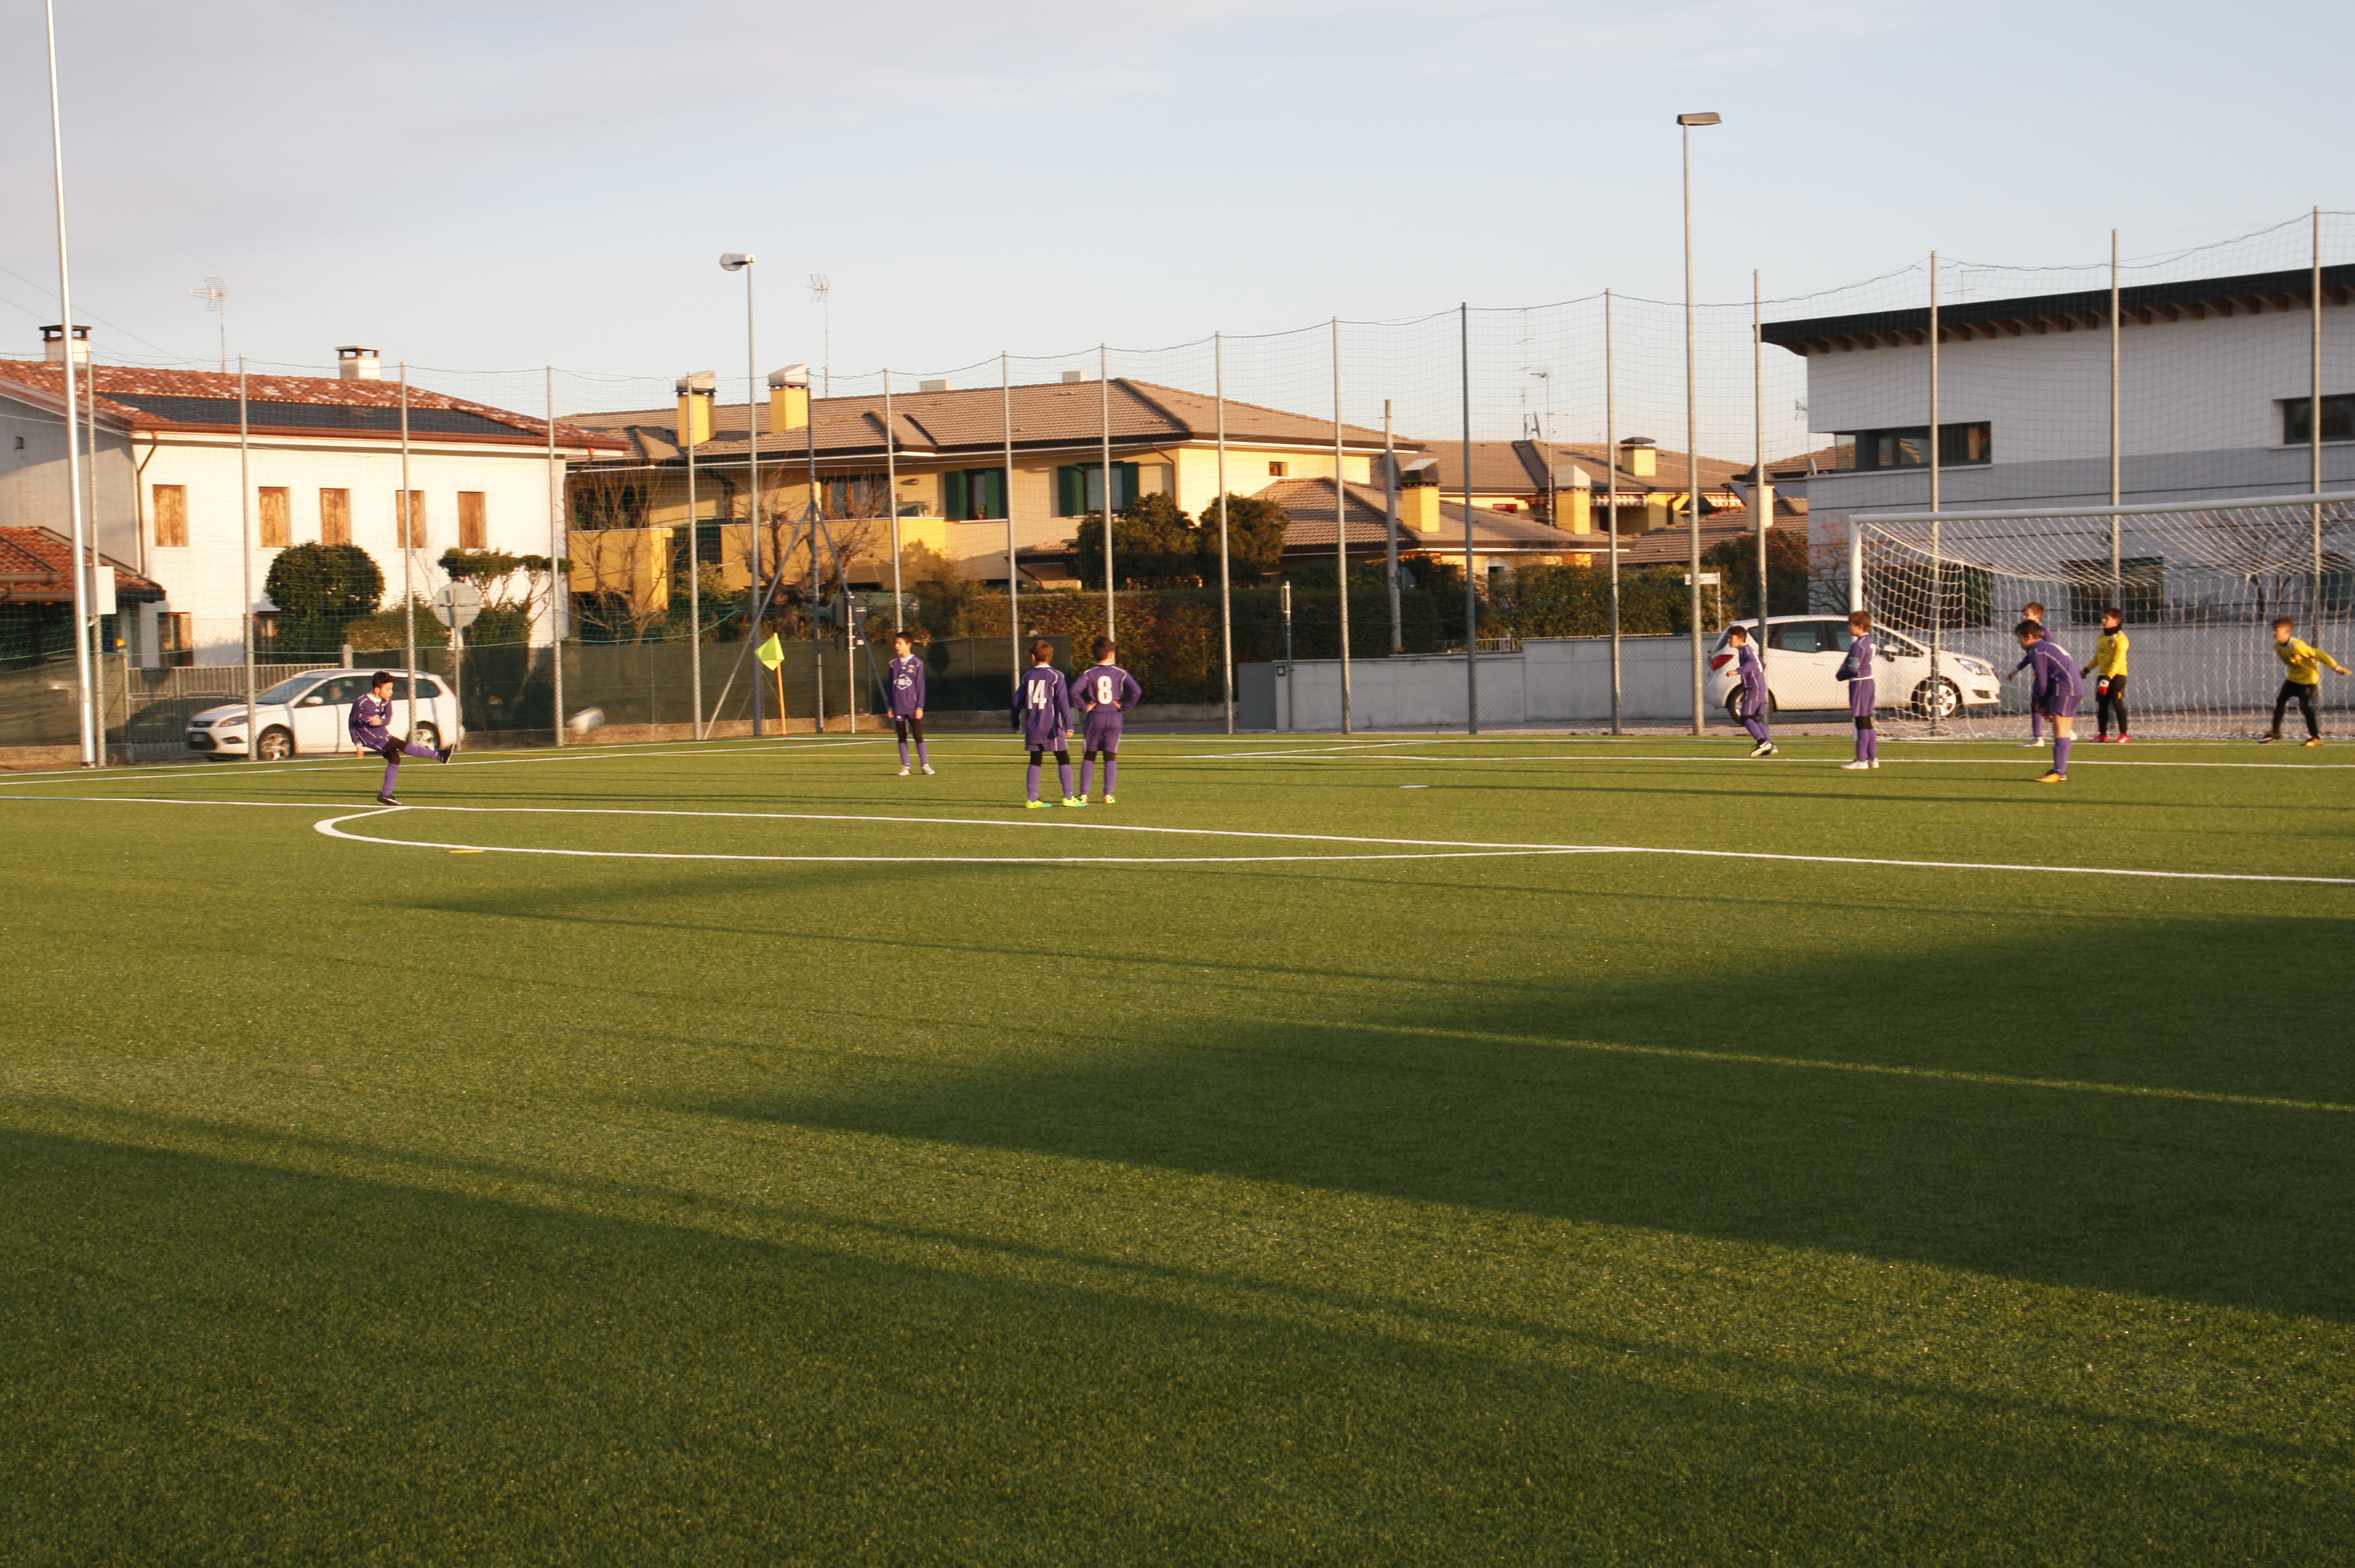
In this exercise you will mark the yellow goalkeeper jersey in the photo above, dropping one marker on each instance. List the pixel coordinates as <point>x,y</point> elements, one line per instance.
<point>2305,661</point>
<point>2109,656</point>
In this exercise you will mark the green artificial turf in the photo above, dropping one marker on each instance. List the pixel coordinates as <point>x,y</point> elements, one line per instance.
<point>385,1204</point>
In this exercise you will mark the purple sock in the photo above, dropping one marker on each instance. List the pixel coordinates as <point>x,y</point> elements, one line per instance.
<point>1063,772</point>
<point>2061,753</point>
<point>391,776</point>
<point>2036,725</point>
<point>1034,781</point>
<point>1111,775</point>
<point>924,758</point>
<point>903,754</point>
<point>1087,770</point>
<point>1757,730</point>
<point>1872,745</point>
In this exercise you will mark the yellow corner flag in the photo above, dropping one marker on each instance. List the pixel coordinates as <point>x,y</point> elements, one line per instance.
<point>771,653</point>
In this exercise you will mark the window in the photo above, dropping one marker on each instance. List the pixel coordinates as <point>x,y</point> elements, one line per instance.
<point>277,525</point>
<point>409,519</point>
<point>1807,638</point>
<point>971,494</point>
<point>1908,446</point>
<point>175,637</point>
<point>1278,470</point>
<point>334,516</point>
<point>2142,578</point>
<point>473,530</point>
<point>856,495</point>
<point>1079,488</point>
<point>2338,419</point>
<point>172,516</point>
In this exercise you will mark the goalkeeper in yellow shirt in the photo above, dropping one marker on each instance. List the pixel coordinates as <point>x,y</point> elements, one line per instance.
<point>2305,662</point>
<point>2108,669</point>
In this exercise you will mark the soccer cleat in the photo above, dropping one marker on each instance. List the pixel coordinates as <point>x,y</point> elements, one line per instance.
<point>2312,741</point>
<point>928,770</point>
<point>2125,739</point>
<point>2032,745</point>
<point>1873,763</point>
<point>386,800</point>
<point>2054,776</point>
<point>1857,766</point>
<point>1074,800</point>
<point>2267,739</point>
<point>1107,800</point>
<point>1035,806</point>
<point>903,773</point>
<point>1764,749</point>
<point>446,752</point>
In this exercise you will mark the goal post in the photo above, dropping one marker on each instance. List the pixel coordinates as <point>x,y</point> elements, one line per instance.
<point>2199,584</point>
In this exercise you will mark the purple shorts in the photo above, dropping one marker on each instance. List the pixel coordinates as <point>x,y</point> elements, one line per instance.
<point>1104,730</point>
<point>1860,698</point>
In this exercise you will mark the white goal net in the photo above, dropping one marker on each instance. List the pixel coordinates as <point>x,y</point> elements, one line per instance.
<point>2198,585</point>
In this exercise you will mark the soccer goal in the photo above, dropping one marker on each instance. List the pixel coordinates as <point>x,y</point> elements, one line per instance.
<point>2200,584</point>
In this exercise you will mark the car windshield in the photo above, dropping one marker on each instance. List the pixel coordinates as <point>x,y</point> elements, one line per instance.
<point>287,690</point>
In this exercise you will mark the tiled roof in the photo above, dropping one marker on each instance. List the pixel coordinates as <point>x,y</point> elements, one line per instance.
<point>1519,467</point>
<point>1823,460</point>
<point>971,421</point>
<point>37,567</point>
<point>1309,504</point>
<point>143,399</point>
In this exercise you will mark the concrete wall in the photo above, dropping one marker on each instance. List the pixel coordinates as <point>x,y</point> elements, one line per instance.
<point>1552,680</point>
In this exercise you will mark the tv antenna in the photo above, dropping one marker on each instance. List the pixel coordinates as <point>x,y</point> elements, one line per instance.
<point>215,293</point>
<point>821,289</point>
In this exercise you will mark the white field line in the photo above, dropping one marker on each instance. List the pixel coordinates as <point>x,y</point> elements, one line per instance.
<point>355,765</point>
<point>1456,846</point>
<point>1822,761</point>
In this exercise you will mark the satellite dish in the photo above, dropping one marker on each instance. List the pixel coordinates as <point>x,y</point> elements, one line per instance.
<point>455,605</point>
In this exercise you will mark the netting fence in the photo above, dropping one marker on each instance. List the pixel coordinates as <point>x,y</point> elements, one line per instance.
<point>1570,381</point>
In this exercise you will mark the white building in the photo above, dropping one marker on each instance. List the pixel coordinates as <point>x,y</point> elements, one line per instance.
<point>323,456</point>
<point>2214,377</point>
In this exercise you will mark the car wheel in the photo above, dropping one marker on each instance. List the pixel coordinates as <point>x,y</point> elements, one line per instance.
<point>427,735</point>
<point>275,746</point>
<point>1939,698</point>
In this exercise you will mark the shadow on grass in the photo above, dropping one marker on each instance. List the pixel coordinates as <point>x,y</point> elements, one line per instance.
<point>1596,1104</point>
<point>209,1360</point>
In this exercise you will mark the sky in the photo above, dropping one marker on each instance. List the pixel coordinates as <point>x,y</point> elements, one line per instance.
<point>494,185</point>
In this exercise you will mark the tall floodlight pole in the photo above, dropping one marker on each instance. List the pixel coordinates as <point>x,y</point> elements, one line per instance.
<point>2118,566</point>
<point>80,519</point>
<point>1225,574</point>
<point>1692,421</point>
<point>1104,388</point>
<point>741,261</point>
<point>1610,457</point>
<point>1937,496</point>
<point>1013,565</point>
<point>407,519</point>
<point>1341,529</point>
<point>891,503</point>
<point>244,552</point>
<point>558,584</point>
<point>1470,597</point>
<point>1391,524</point>
<point>691,388</point>
<point>89,500</point>
<point>2314,411</point>
<point>1761,500</point>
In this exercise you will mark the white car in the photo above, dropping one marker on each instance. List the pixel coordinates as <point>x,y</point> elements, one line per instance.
<point>1803,660</point>
<point>309,715</point>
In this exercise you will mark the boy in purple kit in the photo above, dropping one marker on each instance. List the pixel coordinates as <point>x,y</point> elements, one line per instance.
<point>1104,692</point>
<point>1857,670</point>
<point>371,731</point>
<point>2057,689</point>
<point>1750,700</point>
<point>1042,711</point>
<point>903,684</point>
<point>2035,720</point>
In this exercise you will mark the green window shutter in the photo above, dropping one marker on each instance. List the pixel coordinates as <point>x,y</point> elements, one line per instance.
<point>1071,491</point>
<point>1126,486</point>
<point>952,495</point>
<point>993,491</point>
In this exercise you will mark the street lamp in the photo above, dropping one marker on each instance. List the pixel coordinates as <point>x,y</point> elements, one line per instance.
<point>1692,453</point>
<point>741,261</point>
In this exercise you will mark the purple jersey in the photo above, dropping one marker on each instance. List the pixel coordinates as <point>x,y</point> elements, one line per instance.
<point>1751,701</point>
<point>1857,670</point>
<point>2058,687</point>
<point>1042,708</point>
<point>371,723</point>
<point>903,685</point>
<point>1102,686</point>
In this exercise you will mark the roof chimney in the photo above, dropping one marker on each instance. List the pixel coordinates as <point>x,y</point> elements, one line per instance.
<point>53,345</point>
<point>1072,376</point>
<point>935,387</point>
<point>695,391</point>
<point>789,400</point>
<point>1418,495</point>
<point>1637,457</point>
<point>356,362</point>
